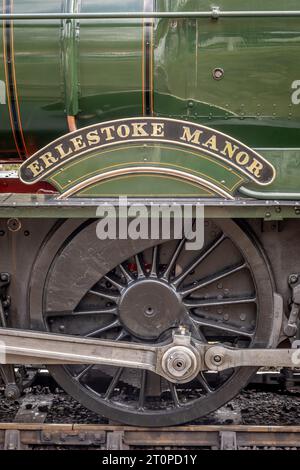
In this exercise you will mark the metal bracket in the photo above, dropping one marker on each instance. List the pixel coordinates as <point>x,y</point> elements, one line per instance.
<point>291,327</point>
<point>215,12</point>
<point>228,440</point>
<point>115,441</point>
<point>12,440</point>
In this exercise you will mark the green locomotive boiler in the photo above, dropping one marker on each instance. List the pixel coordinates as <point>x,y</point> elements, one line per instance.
<point>167,103</point>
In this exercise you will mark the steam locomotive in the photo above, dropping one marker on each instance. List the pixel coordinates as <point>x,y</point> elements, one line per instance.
<point>179,103</point>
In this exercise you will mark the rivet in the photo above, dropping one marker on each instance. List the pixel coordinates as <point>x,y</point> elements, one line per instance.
<point>14,225</point>
<point>218,73</point>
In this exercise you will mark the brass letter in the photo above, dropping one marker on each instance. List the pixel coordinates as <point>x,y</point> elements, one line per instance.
<point>229,150</point>
<point>242,158</point>
<point>35,168</point>
<point>123,131</point>
<point>78,143</point>
<point>93,138</point>
<point>158,129</point>
<point>212,143</point>
<point>48,159</point>
<point>62,152</point>
<point>108,132</point>
<point>255,168</point>
<point>189,137</point>
<point>138,129</point>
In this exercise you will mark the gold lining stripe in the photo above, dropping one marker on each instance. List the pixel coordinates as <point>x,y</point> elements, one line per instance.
<point>205,157</point>
<point>11,83</point>
<point>122,178</point>
<point>146,170</point>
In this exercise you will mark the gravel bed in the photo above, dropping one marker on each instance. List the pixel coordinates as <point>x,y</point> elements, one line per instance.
<point>251,406</point>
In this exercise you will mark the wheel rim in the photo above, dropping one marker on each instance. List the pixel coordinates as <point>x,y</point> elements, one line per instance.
<point>167,286</point>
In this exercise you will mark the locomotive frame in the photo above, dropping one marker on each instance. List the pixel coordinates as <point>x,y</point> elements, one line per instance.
<point>139,318</point>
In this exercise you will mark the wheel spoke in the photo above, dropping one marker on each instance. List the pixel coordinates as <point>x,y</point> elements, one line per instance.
<point>113,383</point>
<point>220,326</point>
<point>108,310</point>
<point>167,273</point>
<point>139,266</point>
<point>203,255</point>
<point>142,394</point>
<point>128,276</point>
<point>115,282</point>
<point>200,377</point>
<point>83,372</point>
<point>153,272</point>
<point>211,279</point>
<point>105,295</point>
<point>108,327</point>
<point>123,334</point>
<point>174,394</point>
<point>197,331</point>
<point>194,303</point>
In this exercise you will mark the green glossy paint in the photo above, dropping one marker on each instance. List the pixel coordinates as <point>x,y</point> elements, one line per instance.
<point>93,69</point>
<point>156,156</point>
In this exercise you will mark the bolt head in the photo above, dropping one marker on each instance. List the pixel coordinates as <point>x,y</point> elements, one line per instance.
<point>218,359</point>
<point>12,392</point>
<point>293,278</point>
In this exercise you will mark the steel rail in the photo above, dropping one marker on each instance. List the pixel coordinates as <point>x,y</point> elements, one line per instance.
<point>214,14</point>
<point>21,436</point>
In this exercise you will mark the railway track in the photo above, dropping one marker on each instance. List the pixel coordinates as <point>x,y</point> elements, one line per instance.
<point>22,436</point>
<point>37,423</point>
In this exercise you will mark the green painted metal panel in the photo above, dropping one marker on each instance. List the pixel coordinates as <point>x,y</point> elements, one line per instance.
<point>93,72</point>
<point>93,69</point>
<point>260,60</point>
<point>252,102</point>
<point>169,156</point>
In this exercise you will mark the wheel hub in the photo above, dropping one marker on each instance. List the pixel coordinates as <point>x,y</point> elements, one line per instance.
<point>149,307</point>
<point>181,363</point>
